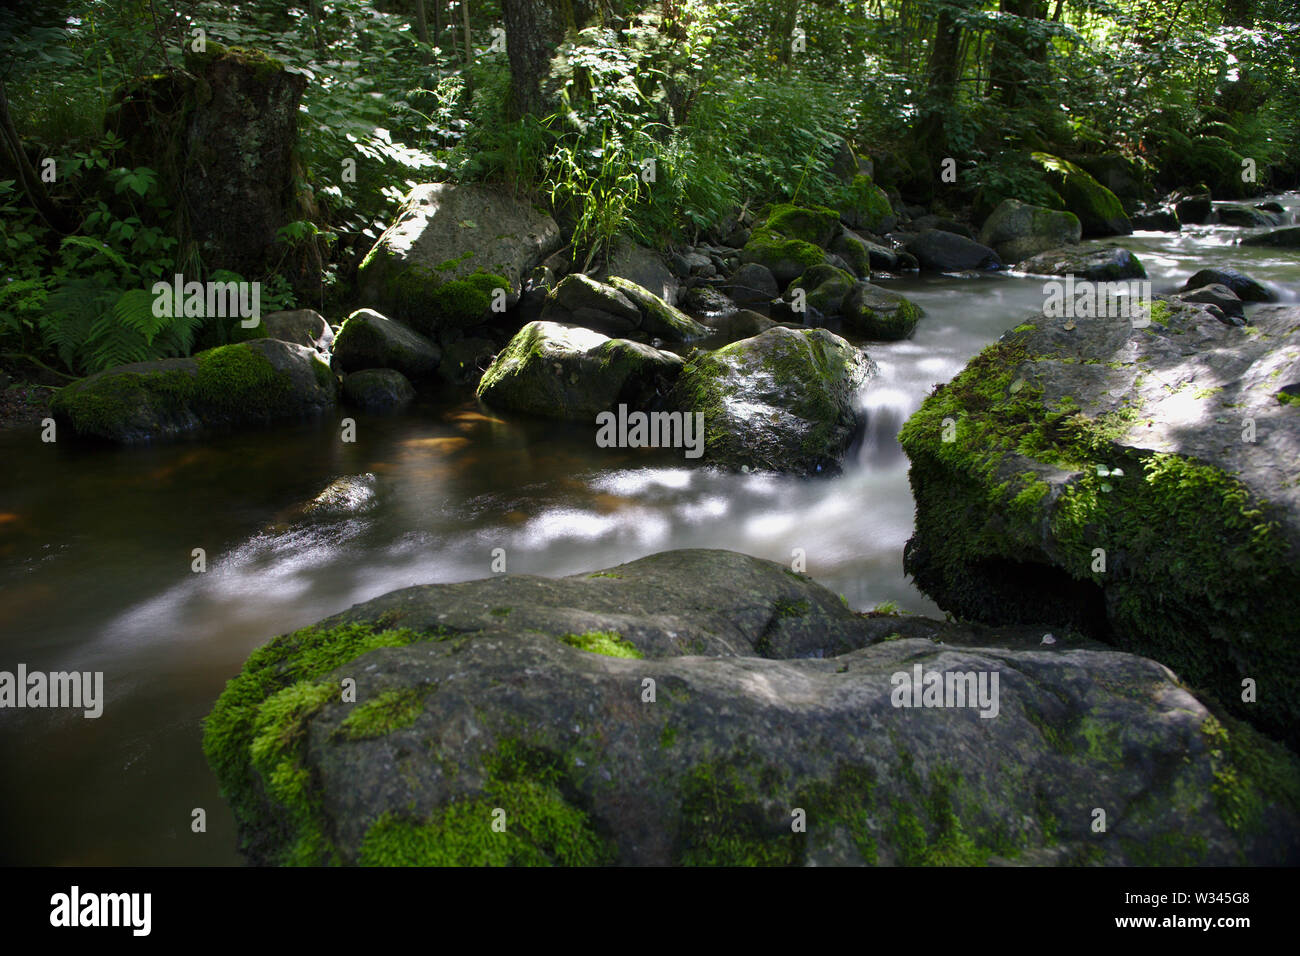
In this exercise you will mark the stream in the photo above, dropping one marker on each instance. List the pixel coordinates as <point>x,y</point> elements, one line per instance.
<point>96,549</point>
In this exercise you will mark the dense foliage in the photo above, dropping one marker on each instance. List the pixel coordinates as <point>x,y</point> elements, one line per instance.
<point>662,120</point>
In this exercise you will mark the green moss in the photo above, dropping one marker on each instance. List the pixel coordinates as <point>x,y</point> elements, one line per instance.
<point>543,825</point>
<point>609,643</point>
<point>1250,772</point>
<point>1160,312</point>
<point>239,383</point>
<point>1199,549</point>
<point>391,710</point>
<point>1094,204</point>
<point>252,737</point>
<point>324,377</point>
<point>781,254</point>
<point>605,574</point>
<point>811,224</point>
<point>500,611</point>
<point>468,301</point>
<point>1287,398</point>
<point>787,608</point>
<point>867,204</point>
<point>1166,849</point>
<point>1025,327</point>
<point>724,820</point>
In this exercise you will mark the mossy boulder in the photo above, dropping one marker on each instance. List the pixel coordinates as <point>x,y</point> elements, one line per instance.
<point>659,319</point>
<point>370,340</point>
<point>559,371</point>
<point>814,224</point>
<point>581,300</point>
<point>646,268</point>
<point>451,247</point>
<point>1109,477</point>
<point>674,710</point>
<point>1017,230</point>
<point>1099,210</point>
<point>1091,261</point>
<point>863,256</point>
<point>866,206</point>
<point>879,314</point>
<point>255,383</point>
<point>786,258</point>
<point>378,389</point>
<point>824,287</point>
<point>782,401</point>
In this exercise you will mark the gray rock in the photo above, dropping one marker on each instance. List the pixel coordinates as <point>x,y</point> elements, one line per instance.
<point>939,251</point>
<point>706,301</point>
<point>532,696</point>
<point>659,319</point>
<point>1288,238</point>
<point>1193,209</point>
<point>378,389</point>
<point>1200,533</point>
<point>752,284</point>
<point>1163,219</point>
<point>1245,288</point>
<point>1092,262</point>
<point>1017,230</point>
<point>944,224</point>
<point>1245,216</point>
<point>581,300</point>
<point>434,267</point>
<point>301,327</point>
<point>738,324</point>
<point>783,401</point>
<point>370,340</point>
<point>559,371</point>
<point>646,268</point>
<point>1215,294</point>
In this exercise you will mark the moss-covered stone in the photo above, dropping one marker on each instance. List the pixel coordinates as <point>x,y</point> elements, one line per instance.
<point>879,314</point>
<point>784,257</point>
<point>866,206</point>
<point>780,401</point>
<point>1099,210</point>
<point>1198,568</point>
<point>255,382</point>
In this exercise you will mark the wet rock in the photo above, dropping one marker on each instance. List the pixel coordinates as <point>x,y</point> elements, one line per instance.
<point>939,251</point>
<point>1092,262</point>
<point>559,371</point>
<point>879,314</point>
<point>784,400</point>
<point>1169,448</point>
<point>1016,230</point>
<point>370,340</point>
<point>674,710</point>
<point>1245,288</point>
<point>378,389</point>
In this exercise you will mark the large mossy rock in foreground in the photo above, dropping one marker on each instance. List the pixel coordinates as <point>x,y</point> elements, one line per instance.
<point>1140,483</point>
<point>252,383</point>
<point>681,708</point>
<point>784,400</point>
<point>563,371</point>
<point>438,266</point>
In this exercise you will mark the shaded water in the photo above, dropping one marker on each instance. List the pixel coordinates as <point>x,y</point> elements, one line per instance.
<point>95,551</point>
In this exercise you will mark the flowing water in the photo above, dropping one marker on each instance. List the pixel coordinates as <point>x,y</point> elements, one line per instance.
<point>96,550</point>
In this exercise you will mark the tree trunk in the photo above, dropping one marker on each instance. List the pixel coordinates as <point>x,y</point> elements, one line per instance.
<point>469,47</point>
<point>422,31</point>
